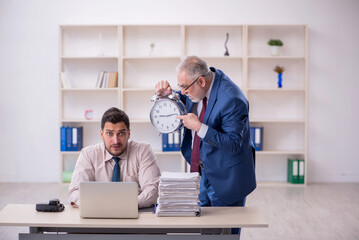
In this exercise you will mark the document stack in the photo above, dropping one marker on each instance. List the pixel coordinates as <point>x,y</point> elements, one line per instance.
<point>178,195</point>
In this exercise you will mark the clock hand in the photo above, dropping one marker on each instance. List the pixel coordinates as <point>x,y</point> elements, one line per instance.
<point>168,115</point>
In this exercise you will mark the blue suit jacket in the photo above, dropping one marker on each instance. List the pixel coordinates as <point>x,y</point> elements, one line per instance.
<point>226,151</point>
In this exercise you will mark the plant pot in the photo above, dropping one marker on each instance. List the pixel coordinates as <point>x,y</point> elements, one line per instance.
<point>274,50</point>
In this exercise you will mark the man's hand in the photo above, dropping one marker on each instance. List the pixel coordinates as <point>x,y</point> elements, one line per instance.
<point>191,121</point>
<point>163,88</point>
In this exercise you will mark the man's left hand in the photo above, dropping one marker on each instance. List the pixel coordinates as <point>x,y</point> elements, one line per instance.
<point>191,121</point>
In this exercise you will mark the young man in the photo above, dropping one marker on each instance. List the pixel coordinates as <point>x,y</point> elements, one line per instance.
<point>117,159</point>
<point>216,139</point>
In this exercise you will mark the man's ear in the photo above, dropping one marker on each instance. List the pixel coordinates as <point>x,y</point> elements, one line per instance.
<point>202,81</point>
<point>129,133</point>
<point>101,132</point>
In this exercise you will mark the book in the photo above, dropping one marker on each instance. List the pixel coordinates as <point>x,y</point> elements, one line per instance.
<point>301,171</point>
<point>116,80</point>
<point>65,80</point>
<point>99,79</point>
<point>292,174</point>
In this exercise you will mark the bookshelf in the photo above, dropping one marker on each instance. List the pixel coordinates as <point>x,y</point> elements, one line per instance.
<point>282,112</point>
<point>145,54</point>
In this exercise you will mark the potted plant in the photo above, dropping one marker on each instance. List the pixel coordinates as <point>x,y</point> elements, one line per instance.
<point>275,44</point>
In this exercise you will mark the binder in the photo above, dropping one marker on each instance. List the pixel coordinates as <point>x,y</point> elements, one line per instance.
<point>301,171</point>
<point>74,139</point>
<point>80,138</point>
<point>177,140</point>
<point>292,175</point>
<point>68,139</point>
<point>170,142</point>
<point>63,138</point>
<point>257,137</point>
<point>77,138</point>
<point>164,142</point>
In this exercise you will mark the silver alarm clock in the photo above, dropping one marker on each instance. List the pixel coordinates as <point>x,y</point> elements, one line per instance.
<point>164,111</point>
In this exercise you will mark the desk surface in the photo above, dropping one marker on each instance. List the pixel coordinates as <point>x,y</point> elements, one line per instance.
<point>212,217</point>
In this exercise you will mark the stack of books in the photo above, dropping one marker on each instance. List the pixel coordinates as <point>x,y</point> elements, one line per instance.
<point>178,195</point>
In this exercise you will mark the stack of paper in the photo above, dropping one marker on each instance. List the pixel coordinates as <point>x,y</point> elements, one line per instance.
<point>178,194</point>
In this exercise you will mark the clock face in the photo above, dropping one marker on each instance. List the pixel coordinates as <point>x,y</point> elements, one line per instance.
<point>163,116</point>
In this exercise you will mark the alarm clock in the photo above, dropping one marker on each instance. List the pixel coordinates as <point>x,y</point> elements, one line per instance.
<point>164,111</point>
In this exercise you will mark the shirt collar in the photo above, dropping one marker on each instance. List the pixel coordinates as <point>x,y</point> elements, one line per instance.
<point>210,87</point>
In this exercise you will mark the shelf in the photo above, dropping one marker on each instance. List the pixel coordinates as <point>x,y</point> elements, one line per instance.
<point>277,90</point>
<point>168,153</point>
<point>138,120</point>
<point>89,89</point>
<point>221,57</point>
<point>278,184</point>
<point>156,152</point>
<point>276,120</point>
<point>139,90</point>
<point>280,152</point>
<point>70,152</point>
<point>144,54</point>
<point>88,57</point>
<point>276,57</point>
<point>149,57</point>
<point>80,121</point>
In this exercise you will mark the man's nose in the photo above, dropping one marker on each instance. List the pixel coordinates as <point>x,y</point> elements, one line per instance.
<point>183,91</point>
<point>115,139</point>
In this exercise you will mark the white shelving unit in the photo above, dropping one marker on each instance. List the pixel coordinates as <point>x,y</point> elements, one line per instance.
<point>145,54</point>
<point>282,112</point>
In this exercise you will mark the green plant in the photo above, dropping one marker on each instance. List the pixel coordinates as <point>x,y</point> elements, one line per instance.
<point>275,42</point>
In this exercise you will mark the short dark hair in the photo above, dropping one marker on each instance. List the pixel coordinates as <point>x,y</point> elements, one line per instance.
<point>115,115</point>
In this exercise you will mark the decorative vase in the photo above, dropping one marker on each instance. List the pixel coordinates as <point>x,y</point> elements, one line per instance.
<point>274,50</point>
<point>280,80</point>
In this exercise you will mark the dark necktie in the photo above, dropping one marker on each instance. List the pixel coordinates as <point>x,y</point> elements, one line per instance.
<point>116,170</point>
<point>196,142</point>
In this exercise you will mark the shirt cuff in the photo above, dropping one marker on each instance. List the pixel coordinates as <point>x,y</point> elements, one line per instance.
<point>202,131</point>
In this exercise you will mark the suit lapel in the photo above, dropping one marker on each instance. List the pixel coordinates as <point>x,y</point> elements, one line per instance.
<point>212,97</point>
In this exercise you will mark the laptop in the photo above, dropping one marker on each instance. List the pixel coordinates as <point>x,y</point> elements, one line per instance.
<point>108,200</point>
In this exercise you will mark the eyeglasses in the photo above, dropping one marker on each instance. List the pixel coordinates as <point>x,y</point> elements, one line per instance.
<point>186,88</point>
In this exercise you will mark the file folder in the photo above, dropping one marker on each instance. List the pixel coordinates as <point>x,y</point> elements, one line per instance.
<point>292,176</point>
<point>301,171</point>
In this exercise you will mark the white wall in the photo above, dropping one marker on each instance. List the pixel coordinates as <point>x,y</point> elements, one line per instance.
<point>29,97</point>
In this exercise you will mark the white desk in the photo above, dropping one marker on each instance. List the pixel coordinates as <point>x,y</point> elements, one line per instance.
<point>214,223</point>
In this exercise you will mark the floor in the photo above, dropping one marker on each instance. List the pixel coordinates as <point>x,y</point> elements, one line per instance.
<point>318,211</point>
